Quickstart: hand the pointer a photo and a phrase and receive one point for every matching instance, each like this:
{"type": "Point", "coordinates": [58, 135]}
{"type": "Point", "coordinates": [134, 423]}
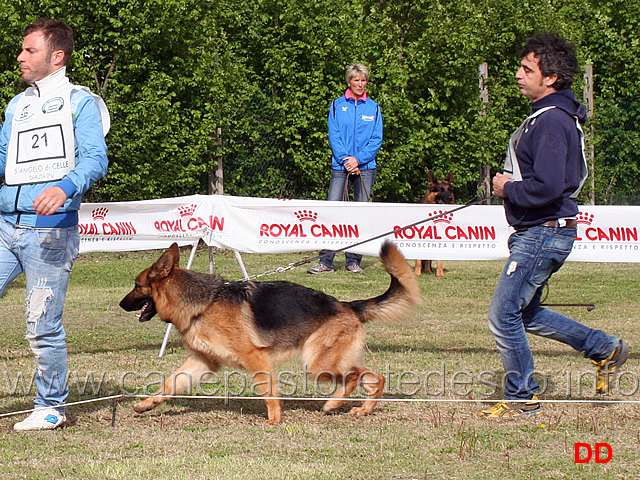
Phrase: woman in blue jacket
{"type": "Point", "coordinates": [355, 136]}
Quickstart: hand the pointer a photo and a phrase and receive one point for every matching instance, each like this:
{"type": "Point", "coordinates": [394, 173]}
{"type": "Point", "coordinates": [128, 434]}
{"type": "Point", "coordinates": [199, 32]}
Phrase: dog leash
{"type": "Point", "coordinates": [399, 229]}
{"type": "Point", "coordinates": [590, 306]}
{"type": "Point", "coordinates": [345, 192]}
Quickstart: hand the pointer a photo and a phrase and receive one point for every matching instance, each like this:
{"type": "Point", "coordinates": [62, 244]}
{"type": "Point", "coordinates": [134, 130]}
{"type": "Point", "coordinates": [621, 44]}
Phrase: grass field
{"type": "Point", "coordinates": [440, 364]}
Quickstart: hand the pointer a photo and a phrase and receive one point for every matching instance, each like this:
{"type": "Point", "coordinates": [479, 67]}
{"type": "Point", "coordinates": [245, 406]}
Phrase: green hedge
{"type": "Point", "coordinates": [173, 72]}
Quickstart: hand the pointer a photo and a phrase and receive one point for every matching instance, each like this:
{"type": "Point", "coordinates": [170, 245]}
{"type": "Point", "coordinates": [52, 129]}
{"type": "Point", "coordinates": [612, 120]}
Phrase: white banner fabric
{"type": "Point", "coordinates": [263, 225]}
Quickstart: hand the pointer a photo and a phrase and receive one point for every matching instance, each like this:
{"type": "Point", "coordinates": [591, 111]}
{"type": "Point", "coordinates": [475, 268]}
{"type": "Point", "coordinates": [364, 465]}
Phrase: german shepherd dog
{"type": "Point", "coordinates": [256, 325]}
{"type": "Point", "coordinates": [438, 191]}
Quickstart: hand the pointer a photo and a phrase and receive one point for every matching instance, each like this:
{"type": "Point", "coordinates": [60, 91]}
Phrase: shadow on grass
{"type": "Point", "coordinates": [172, 345]}
{"type": "Point", "coordinates": [433, 349]}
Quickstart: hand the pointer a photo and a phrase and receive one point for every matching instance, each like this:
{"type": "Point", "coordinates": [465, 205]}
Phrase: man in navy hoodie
{"type": "Point", "coordinates": [544, 171]}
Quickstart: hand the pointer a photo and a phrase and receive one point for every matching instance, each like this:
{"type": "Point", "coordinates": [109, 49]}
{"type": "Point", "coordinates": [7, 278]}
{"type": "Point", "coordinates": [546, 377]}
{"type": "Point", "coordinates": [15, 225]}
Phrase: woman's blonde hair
{"type": "Point", "coordinates": [356, 69]}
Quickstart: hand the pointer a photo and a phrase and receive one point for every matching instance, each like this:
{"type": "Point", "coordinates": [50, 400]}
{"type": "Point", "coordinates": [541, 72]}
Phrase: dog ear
{"type": "Point", "coordinates": [450, 177]}
{"type": "Point", "coordinates": [432, 177]}
{"type": "Point", "coordinates": [169, 260]}
{"type": "Point", "coordinates": [175, 251]}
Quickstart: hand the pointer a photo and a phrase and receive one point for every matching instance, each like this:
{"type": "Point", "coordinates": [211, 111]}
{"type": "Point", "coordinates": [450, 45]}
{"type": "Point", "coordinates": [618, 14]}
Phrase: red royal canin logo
{"type": "Point", "coordinates": [100, 227]}
{"type": "Point", "coordinates": [99, 213]}
{"type": "Point", "coordinates": [588, 230]}
{"type": "Point", "coordinates": [299, 229]}
{"type": "Point", "coordinates": [585, 218]}
{"type": "Point", "coordinates": [187, 210]}
{"type": "Point", "coordinates": [306, 215]}
{"type": "Point", "coordinates": [442, 216]}
{"type": "Point", "coordinates": [188, 222]}
{"type": "Point", "coordinates": [442, 228]}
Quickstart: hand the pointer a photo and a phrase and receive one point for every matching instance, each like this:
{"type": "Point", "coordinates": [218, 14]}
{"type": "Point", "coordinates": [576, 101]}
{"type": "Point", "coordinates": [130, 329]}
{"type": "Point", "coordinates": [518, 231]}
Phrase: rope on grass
{"type": "Point", "coordinates": [227, 398]}
{"type": "Point", "coordinates": [388, 400]}
{"type": "Point", "coordinates": [91, 400]}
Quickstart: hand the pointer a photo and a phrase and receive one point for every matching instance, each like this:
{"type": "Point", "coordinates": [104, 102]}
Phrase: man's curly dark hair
{"type": "Point", "coordinates": [557, 57]}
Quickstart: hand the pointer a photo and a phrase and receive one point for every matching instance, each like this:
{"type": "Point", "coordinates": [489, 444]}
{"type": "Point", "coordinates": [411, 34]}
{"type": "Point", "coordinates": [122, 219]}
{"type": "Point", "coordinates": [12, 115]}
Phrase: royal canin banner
{"type": "Point", "coordinates": [263, 225]}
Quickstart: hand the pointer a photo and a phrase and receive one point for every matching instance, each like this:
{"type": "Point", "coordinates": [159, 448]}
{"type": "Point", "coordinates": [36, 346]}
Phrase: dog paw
{"type": "Point", "coordinates": [332, 405]}
{"type": "Point", "coordinates": [360, 411]}
{"type": "Point", "coordinates": [142, 407]}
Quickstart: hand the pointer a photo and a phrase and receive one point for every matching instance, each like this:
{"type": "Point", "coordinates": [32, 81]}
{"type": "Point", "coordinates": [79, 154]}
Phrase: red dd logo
{"type": "Point", "coordinates": [590, 452]}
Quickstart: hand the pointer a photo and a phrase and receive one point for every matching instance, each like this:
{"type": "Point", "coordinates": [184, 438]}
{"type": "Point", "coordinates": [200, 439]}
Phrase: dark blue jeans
{"type": "Point", "coordinates": [534, 255]}
{"type": "Point", "coordinates": [340, 178]}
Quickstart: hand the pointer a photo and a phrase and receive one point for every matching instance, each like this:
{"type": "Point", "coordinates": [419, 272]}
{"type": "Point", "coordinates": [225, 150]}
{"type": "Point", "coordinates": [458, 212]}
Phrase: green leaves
{"type": "Point", "coordinates": [263, 74]}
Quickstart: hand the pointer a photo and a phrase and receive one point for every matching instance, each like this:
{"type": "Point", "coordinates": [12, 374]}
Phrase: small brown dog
{"type": "Point", "coordinates": [439, 191]}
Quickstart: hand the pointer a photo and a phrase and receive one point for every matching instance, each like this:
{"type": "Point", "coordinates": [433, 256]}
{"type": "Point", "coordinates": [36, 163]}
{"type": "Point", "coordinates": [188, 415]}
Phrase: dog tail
{"type": "Point", "coordinates": [402, 296]}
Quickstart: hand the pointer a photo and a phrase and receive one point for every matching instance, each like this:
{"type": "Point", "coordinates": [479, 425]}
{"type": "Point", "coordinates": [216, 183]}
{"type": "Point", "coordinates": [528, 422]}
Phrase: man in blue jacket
{"type": "Point", "coordinates": [545, 168]}
{"type": "Point", "coordinates": [52, 150]}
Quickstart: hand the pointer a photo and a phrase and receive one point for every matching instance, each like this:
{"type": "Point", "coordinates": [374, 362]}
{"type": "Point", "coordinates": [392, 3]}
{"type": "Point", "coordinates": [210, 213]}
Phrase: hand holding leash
{"type": "Point", "coordinates": [351, 164]}
{"type": "Point", "coordinates": [499, 181]}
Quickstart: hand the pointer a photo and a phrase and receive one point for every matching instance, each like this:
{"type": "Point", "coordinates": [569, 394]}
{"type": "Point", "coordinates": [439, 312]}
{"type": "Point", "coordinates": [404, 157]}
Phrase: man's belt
{"type": "Point", "coordinates": [559, 223]}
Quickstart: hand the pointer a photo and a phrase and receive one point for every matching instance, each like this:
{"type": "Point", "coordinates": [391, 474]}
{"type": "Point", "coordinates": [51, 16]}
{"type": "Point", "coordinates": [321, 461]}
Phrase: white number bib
{"type": "Point", "coordinates": [42, 145]}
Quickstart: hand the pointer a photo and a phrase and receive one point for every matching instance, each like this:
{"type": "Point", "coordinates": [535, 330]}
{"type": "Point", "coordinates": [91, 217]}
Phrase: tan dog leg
{"type": "Point", "coordinates": [372, 382]}
{"type": "Point", "coordinates": [267, 387]}
{"type": "Point", "coordinates": [422, 266]}
{"type": "Point", "coordinates": [183, 380]}
{"type": "Point", "coordinates": [427, 267]}
{"type": "Point", "coordinates": [265, 382]}
{"type": "Point", "coordinates": [349, 381]}
{"type": "Point", "coordinates": [439, 269]}
{"type": "Point", "coordinates": [418, 268]}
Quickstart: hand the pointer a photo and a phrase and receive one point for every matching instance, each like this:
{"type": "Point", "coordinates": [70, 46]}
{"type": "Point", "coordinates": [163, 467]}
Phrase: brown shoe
{"type": "Point", "coordinates": [354, 268]}
{"type": "Point", "coordinates": [320, 268]}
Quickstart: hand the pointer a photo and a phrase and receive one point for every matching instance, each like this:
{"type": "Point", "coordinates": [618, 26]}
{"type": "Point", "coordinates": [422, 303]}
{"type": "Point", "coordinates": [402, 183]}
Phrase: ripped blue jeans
{"type": "Point", "coordinates": [534, 255]}
{"type": "Point", "coordinates": [46, 257]}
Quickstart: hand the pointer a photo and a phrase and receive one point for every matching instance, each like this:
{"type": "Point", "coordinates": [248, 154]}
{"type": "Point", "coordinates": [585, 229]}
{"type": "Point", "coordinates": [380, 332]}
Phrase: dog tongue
{"type": "Point", "coordinates": [147, 312]}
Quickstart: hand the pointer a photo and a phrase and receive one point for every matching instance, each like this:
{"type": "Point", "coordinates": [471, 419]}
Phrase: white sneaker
{"type": "Point", "coordinates": [41, 419]}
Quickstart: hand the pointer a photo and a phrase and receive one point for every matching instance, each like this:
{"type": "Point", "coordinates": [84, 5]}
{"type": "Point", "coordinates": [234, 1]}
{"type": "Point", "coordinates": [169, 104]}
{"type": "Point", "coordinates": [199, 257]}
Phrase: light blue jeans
{"type": "Point", "coordinates": [336, 193]}
{"type": "Point", "coordinates": [46, 257]}
{"type": "Point", "coordinates": [534, 255]}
